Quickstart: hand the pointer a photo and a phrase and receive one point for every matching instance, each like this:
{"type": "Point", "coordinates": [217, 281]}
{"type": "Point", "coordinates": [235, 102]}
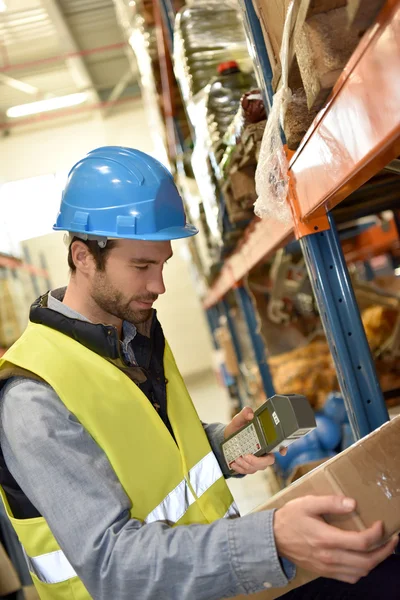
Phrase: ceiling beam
{"type": "Point", "coordinates": [119, 88]}
{"type": "Point", "coordinates": [68, 45]}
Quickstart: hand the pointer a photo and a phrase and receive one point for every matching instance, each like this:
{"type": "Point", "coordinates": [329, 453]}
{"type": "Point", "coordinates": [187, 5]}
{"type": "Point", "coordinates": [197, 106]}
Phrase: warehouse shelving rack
{"type": "Point", "coordinates": [36, 274]}
{"type": "Point", "coordinates": [355, 136]}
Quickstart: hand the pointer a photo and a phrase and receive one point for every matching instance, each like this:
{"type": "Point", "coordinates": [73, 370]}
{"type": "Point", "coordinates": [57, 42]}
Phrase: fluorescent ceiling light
{"type": "Point", "coordinates": [3, 6]}
{"type": "Point", "coordinates": [21, 86]}
{"type": "Point", "coordinates": [45, 105]}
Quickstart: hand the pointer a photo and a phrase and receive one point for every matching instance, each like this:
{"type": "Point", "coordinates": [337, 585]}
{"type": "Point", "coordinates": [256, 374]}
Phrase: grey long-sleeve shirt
{"type": "Point", "coordinates": [70, 481]}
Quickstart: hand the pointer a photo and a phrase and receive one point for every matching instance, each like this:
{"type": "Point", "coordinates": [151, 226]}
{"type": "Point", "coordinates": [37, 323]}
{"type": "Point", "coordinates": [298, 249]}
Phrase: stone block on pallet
{"type": "Point", "coordinates": [323, 47]}
{"type": "Point", "coordinates": [297, 119]}
{"type": "Point", "coordinates": [272, 14]}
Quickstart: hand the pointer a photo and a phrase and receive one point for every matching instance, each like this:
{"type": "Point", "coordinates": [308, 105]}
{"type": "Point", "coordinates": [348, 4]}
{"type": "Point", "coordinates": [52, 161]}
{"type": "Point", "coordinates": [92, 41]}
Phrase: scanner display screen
{"type": "Point", "coordinates": [268, 427]}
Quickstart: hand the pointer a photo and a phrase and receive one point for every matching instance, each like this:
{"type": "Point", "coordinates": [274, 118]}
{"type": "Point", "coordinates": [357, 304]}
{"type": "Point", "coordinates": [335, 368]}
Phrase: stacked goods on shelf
{"type": "Point", "coordinates": [225, 92]}
{"type": "Point", "coordinates": [10, 328]}
{"type": "Point", "coordinates": [206, 34]}
{"type": "Point", "coordinates": [16, 294]}
{"type": "Point", "coordinates": [246, 373]}
{"type": "Point", "coordinates": [324, 34]}
{"type": "Point", "coordinates": [237, 168]}
{"type": "Point", "coordinates": [224, 341]}
{"type": "Point", "coordinates": [20, 284]}
{"type": "Point", "coordinates": [300, 360]}
{"type": "Point", "coordinates": [155, 70]}
{"type": "Point", "coordinates": [212, 66]}
{"type": "Point", "coordinates": [310, 370]}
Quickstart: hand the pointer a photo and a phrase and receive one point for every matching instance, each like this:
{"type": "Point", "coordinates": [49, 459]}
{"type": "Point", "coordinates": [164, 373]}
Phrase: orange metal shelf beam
{"type": "Point", "coordinates": [352, 138]}
{"type": "Point", "coordinates": [261, 238]}
{"type": "Point", "coordinates": [373, 242]}
{"type": "Point", "coordinates": [358, 132]}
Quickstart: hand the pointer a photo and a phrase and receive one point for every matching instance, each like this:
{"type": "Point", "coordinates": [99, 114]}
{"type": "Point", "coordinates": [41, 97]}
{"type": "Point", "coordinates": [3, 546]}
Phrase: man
{"type": "Point", "coordinates": [113, 485]}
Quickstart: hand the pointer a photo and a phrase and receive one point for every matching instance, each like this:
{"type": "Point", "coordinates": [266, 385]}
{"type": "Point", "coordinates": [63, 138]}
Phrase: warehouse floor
{"type": "Point", "coordinates": [212, 403]}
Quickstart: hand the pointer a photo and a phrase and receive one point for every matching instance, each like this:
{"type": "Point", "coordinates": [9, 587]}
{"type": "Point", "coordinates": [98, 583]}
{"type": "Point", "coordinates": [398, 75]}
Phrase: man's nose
{"type": "Point", "coordinates": [156, 285]}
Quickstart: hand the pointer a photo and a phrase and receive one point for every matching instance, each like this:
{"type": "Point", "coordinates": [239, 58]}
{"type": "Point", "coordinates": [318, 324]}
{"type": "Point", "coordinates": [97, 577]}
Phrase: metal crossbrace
{"type": "Point", "coordinates": [344, 330]}
{"type": "Point", "coordinates": [246, 304]}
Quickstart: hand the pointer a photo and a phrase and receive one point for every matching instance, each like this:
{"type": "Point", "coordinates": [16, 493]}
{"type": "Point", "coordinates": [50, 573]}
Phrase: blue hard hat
{"type": "Point", "coordinates": [117, 192]}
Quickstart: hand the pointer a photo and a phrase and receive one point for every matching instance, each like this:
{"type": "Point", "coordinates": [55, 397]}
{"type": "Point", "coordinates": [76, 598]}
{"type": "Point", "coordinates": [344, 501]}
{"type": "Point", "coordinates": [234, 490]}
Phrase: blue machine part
{"type": "Point", "coordinates": [344, 330]}
{"type": "Point", "coordinates": [335, 408]}
{"type": "Point", "coordinates": [308, 443]}
{"type": "Point", "coordinates": [226, 376]}
{"type": "Point", "coordinates": [328, 431]}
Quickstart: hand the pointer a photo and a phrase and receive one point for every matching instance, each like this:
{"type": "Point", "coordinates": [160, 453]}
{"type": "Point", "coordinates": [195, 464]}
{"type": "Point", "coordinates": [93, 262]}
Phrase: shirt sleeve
{"type": "Point", "coordinates": [70, 481]}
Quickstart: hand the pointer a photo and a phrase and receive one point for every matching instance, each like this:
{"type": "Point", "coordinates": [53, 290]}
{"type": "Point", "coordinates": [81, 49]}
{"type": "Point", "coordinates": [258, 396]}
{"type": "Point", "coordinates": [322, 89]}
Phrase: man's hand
{"type": "Point", "coordinates": [248, 464]}
{"type": "Point", "coordinates": [302, 536]}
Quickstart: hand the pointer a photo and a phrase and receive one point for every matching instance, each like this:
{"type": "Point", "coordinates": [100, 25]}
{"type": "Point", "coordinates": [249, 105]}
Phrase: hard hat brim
{"type": "Point", "coordinates": [170, 233]}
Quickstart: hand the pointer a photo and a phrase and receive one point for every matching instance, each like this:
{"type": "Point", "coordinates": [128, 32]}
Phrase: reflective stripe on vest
{"type": "Point", "coordinates": [53, 567]}
{"type": "Point", "coordinates": [204, 474]}
{"type": "Point", "coordinates": [174, 506]}
{"type": "Point", "coordinates": [201, 477]}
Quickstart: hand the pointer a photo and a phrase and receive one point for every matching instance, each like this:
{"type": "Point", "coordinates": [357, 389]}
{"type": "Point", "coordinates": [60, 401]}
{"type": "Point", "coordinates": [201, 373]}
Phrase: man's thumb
{"type": "Point", "coordinates": [243, 418]}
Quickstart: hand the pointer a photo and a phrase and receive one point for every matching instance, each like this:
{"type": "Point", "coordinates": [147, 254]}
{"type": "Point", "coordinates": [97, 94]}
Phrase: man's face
{"type": "Point", "coordinates": [132, 279]}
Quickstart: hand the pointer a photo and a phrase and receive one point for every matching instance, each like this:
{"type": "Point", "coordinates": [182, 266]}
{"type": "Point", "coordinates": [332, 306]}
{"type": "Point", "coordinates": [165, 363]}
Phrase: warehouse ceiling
{"type": "Point", "coordinates": [56, 48]}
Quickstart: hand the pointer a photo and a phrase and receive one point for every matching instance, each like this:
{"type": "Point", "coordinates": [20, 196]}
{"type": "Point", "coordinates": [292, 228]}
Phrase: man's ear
{"type": "Point", "coordinates": [82, 257]}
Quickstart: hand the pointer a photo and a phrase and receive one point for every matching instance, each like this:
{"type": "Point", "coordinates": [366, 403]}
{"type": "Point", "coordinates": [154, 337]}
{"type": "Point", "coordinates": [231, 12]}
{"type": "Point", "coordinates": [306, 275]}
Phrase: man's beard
{"type": "Point", "coordinates": [112, 301]}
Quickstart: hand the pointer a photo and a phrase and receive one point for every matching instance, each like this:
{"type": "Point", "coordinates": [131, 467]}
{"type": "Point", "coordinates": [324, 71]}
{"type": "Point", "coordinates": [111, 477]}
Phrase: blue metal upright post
{"type": "Point", "coordinates": [212, 319]}
{"type": "Point", "coordinates": [258, 51]}
{"type": "Point", "coordinates": [213, 314]}
{"type": "Point", "coordinates": [345, 333]}
{"type": "Point", "coordinates": [247, 307]}
{"type": "Point", "coordinates": [232, 331]}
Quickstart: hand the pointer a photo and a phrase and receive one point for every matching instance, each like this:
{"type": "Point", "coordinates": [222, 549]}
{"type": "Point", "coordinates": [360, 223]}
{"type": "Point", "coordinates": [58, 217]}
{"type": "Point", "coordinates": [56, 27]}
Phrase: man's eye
{"type": "Point", "coordinates": [142, 268]}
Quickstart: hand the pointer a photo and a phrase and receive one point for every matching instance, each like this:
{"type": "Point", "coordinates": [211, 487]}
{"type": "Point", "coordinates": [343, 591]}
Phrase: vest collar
{"type": "Point", "coordinates": [102, 339]}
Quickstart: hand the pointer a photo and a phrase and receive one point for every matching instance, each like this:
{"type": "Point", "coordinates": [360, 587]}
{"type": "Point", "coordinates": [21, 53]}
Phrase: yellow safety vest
{"type": "Point", "coordinates": [179, 483]}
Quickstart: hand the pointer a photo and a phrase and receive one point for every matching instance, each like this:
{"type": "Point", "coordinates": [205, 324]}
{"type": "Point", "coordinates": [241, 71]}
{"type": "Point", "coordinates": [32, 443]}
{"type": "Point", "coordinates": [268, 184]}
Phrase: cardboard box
{"type": "Point", "coordinates": [30, 593]}
{"type": "Point", "coordinates": [9, 581]}
{"type": "Point", "coordinates": [302, 470]}
{"type": "Point", "coordinates": [369, 472]}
